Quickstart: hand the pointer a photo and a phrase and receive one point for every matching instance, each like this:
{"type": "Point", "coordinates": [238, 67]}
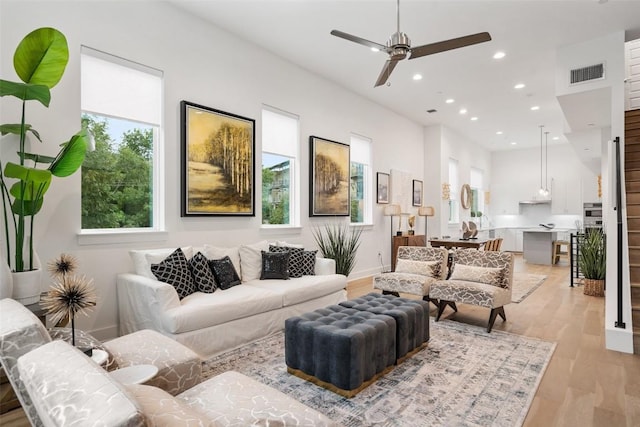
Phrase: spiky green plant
{"type": "Point", "coordinates": [340, 243]}
{"type": "Point", "coordinates": [593, 255]}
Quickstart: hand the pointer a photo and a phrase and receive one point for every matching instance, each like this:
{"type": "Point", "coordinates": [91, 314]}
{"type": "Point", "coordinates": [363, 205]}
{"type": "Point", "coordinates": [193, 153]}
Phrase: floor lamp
{"type": "Point", "coordinates": [392, 210]}
{"type": "Point", "coordinates": [426, 212]}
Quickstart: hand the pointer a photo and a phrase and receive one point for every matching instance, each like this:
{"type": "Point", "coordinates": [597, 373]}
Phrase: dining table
{"type": "Point", "coordinates": [451, 243]}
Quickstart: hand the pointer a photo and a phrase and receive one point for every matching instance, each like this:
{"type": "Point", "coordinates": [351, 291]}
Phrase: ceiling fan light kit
{"type": "Point", "coordinates": [399, 46]}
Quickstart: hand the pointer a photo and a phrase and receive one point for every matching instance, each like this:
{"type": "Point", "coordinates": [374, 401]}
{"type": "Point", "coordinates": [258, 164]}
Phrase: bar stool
{"type": "Point", "coordinates": [558, 252]}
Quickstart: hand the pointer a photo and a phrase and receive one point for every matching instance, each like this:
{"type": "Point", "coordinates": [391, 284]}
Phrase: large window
{"type": "Point", "coordinates": [454, 210]}
{"type": "Point", "coordinates": [361, 206]}
{"type": "Point", "coordinates": [280, 142]}
{"type": "Point", "coordinates": [121, 105]}
{"type": "Point", "coordinates": [477, 192]}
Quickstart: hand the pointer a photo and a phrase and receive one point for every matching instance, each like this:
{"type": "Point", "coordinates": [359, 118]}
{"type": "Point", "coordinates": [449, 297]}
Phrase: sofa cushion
{"type": "Point", "coordinates": [199, 311]}
{"type": "Point", "coordinates": [143, 258]}
{"type": "Point", "coordinates": [202, 274]}
{"type": "Point", "coordinates": [302, 289]}
{"type": "Point", "coordinates": [162, 409]}
{"type": "Point", "coordinates": [224, 272]}
{"type": "Point", "coordinates": [470, 293]}
{"type": "Point", "coordinates": [251, 260]}
{"type": "Point", "coordinates": [275, 265]}
{"type": "Point", "coordinates": [174, 270]}
{"type": "Point", "coordinates": [68, 388]}
{"type": "Point", "coordinates": [217, 252]}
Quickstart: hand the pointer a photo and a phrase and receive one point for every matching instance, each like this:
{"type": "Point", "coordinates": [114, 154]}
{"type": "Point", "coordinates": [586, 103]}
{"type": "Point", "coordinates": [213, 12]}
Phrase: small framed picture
{"type": "Point", "coordinates": [382, 192]}
{"type": "Point", "coordinates": [417, 193]}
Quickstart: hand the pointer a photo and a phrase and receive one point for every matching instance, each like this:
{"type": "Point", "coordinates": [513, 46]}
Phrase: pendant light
{"type": "Point", "coordinates": [546, 164]}
{"type": "Point", "coordinates": [541, 190]}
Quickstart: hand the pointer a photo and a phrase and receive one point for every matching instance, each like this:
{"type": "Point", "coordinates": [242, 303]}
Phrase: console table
{"type": "Point", "coordinates": [404, 240]}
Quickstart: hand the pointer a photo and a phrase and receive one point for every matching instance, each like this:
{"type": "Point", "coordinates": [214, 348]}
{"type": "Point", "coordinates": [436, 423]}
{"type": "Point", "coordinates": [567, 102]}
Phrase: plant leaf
{"type": "Point", "coordinates": [38, 158]}
{"type": "Point", "coordinates": [26, 91]}
{"type": "Point", "coordinates": [71, 156]}
{"type": "Point", "coordinates": [14, 128]}
{"type": "Point", "coordinates": [33, 182]}
{"type": "Point", "coordinates": [27, 208]}
{"type": "Point", "coordinates": [41, 57]}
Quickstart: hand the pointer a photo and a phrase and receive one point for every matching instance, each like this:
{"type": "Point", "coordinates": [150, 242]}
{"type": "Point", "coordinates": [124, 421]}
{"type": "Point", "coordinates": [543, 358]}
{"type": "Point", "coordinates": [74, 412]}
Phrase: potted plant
{"type": "Point", "coordinates": [340, 244]}
{"type": "Point", "coordinates": [592, 261]}
{"type": "Point", "coordinates": [39, 61]}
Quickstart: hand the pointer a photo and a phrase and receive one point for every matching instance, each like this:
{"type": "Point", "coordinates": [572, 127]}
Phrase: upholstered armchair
{"type": "Point", "coordinates": [483, 278]}
{"type": "Point", "coordinates": [417, 267]}
{"type": "Point", "coordinates": [179, 368]}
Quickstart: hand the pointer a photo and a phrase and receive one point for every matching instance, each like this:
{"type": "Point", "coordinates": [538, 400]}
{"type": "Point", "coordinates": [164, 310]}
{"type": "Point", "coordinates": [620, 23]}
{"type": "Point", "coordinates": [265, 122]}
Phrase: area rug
{"type": "Point", "coordinates": [524, 284]}
{"type": "Point", "coordinates": [464, 377]}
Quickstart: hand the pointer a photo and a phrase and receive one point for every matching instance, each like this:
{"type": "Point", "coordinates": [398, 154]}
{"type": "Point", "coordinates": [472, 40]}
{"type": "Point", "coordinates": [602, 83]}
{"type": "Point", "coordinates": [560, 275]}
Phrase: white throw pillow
{"type": "Point", "coordinates": [218, 252]}
{"type": "Point", "coordinates": [424, 268]}
{"type": "Point", "coordinates": [488, 275]}
{"type": "Point", "coordinates": [143, 258]}
{"type": "Point", "coordinates": [289, 245]}
{"type": "Point", "coordinates": [251, 260]}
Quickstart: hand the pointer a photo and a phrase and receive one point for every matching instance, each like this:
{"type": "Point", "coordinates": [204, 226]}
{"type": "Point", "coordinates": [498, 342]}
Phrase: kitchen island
{"type": "Point", "coordinates": [537, 244]}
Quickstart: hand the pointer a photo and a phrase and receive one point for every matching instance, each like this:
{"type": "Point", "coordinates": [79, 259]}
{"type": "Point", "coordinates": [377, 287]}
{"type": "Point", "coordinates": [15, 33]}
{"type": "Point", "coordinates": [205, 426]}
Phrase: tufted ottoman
{"type": "Point", "coordinates": [411, 316]}
{"type": "Point", "coordinates": [340, 348]}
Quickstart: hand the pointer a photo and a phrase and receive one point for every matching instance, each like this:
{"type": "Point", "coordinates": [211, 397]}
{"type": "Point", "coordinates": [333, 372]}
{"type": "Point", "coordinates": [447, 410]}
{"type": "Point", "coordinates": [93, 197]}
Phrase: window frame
{"type": "Point", "coordinates": [157, 231]}
{"type": "Point", "coordinates": [294, 170]}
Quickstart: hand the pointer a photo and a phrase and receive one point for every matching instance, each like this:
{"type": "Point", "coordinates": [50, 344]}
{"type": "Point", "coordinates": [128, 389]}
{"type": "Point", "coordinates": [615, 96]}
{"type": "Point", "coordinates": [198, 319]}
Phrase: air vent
{"type": "Point", "coordinates": [431, 111]}
{"type": "Point", "coordinates": [592, 72]}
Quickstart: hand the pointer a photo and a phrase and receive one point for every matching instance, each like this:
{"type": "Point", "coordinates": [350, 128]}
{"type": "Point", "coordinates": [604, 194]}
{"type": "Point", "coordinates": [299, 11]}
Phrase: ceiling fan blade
{"type": "Point", "coordinates": [386, 72]}
{"type": "Point", "coordinates": [358, 40]}
{"type": "Point", "coordinates": [443, 46]}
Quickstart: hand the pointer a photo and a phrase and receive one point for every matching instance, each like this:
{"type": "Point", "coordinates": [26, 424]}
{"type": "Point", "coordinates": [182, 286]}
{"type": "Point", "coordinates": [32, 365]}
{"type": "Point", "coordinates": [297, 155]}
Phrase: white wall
{"type": "Point", "coordinates": [468, 154]}
{"type": "Point", "coordinates": [515, 176]}
{"type": "Point", "coordinates": [205, 65]}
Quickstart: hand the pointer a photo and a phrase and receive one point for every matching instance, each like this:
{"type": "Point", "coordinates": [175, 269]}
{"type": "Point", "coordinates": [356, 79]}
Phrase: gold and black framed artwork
{"type": "Point", "coordinates": [329, 180]}
{"type": "Point", "coordinates": [217, 162]}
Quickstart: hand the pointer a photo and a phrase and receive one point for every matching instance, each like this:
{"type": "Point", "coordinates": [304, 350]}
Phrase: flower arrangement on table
{"type": "Point", "coordinates": [70, 294]}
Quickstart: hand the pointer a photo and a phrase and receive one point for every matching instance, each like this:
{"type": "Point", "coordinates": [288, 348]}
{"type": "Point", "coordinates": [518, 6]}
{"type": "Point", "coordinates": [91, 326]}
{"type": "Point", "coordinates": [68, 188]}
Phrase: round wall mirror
{"type": "Point", "coordinates": [465, 196]}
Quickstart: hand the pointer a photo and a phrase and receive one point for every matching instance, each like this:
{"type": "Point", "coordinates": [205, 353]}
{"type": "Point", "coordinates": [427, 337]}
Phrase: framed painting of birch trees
{"type": "Point", "coordinates": [329, 181]}
{"type": "Point", "coordinates": [217, 162]}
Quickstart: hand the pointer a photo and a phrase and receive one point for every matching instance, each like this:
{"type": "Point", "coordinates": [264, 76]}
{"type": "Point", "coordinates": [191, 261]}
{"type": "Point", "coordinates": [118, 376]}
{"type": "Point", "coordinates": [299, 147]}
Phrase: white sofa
{"type": "Point", "coordinates": [210, 323]}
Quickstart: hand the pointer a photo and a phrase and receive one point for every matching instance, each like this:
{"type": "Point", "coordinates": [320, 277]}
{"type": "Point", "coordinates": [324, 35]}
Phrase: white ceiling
{"type": "Point", "coordinates": [529, 32]}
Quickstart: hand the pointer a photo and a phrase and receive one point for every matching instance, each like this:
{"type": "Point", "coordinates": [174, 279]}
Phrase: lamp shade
{"type": "Point", "coordinates": [426, 211]}
{"type": "Point", "coordinates": [392, 210]}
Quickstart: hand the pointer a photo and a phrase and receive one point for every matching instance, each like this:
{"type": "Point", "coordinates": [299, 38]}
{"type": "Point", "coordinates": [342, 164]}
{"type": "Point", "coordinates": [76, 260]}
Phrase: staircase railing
{"type": "Point", "coordinates": [618, 208]}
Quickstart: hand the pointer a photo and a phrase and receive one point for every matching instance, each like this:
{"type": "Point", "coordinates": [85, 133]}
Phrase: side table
{"type": "Point", "coordinates": [134, 374]}
{"type": "Point", "coordinates": [405, 240]}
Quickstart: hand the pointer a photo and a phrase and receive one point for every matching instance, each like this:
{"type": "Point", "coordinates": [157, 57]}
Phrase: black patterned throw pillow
{"type": "Point", "coordinates": [307, 263]}
{"type": "Point", "coordinates": [224, 272]}
{"type": "Point", "coordinates": [202, 274]}
{"type": "Point", "coordinates": [275, 265]}
{"type": "Point", "coordinates": [174, 270]}
{"type": "Point", "coordinates": [295, 259]}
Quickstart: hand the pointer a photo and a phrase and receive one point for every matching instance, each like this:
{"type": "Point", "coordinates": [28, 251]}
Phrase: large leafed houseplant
{"type": "Point", "coordinates": [39, 61]}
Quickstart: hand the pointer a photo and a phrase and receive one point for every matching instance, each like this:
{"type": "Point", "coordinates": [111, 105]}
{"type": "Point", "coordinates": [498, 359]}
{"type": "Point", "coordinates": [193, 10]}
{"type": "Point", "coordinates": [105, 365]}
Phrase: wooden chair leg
{"type": "Point", "coordinates": [434, 301]}
{"type": "Point", "coordinates": [395, 294]}
{"type": "Point", "coordinates": [492, 317]}
{"type": "Point", "coordinates": [452, 304]}
{"type": "Point", "coordinates": [442, 304]}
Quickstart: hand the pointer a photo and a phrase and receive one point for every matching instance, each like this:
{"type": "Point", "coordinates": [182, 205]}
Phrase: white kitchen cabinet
{"type": "Point", "coordinates": [518, 239]}
{"type": "Point", "coordinates": [511, 239]}
{"type": "Point", "coordinates": [566, 196]}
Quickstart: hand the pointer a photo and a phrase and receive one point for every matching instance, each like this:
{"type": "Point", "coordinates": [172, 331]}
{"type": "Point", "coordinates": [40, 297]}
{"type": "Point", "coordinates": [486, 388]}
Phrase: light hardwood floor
{"type": "Point", "coordinates": [584, 384]}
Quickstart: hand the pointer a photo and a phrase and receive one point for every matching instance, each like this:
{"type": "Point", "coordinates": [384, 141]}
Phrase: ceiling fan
{"type": "Point", "coordinates": [398, 46]}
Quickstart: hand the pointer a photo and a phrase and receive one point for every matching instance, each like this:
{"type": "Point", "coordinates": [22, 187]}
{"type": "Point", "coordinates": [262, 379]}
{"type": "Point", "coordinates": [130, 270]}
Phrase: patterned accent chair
{"type": "Point", "coordinates": [417, 268]}
{"type": "Point", "coordinates": [69, 389]}
{"type": "Point", "coordinates": [483, 278]}
{"type": "Point", "coordinates": [179, 368]}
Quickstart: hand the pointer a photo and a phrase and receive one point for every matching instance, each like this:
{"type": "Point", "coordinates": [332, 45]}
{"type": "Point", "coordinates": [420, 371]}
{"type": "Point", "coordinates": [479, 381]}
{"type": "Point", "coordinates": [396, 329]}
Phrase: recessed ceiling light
{"type": "Point", "coordinates": [450, 101]}
{"type": "Point", "coordinates": [473, 119]}
{"type": "Point", "coordinates": [375, 49]}
{"type": "Point", "coordinates": [514, 143]}
{"type": "Point", "coordinates": [463, 111]}
{"type": "Point", "coordinates": [417, 77]}
{"type": "Point", "coordinates": [499, 132]}
{"type": "Point", "coordinates": [498, 55]}
{"type": "Point", "coordinates": [555, 138]}
{"type": "Point", "coordinates": [519, 86]}
{"type": "Point", "coordinates": [535, 108]}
